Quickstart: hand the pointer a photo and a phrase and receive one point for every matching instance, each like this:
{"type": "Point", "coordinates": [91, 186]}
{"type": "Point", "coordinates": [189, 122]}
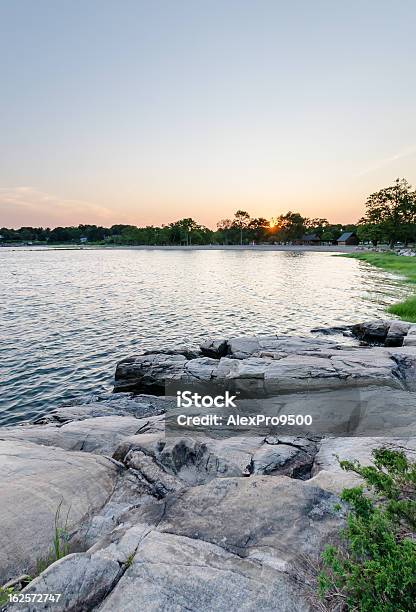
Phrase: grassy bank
{"type": "Point", "coordinates": [406, 267]}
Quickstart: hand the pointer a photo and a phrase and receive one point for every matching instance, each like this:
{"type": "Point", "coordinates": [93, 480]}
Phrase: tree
{"type": "Point", "coordinates": [224, 230]}
{"type": "Point", "coordinates": [393, 210]}
{"type": "Point", "coordinates": [289, 226]}
{"type": "Point", "coordinates": [241, 221]}
{"type": "Point", "coordinates": [317, 226]}
{"type": "Point", "coordinates": [258, 228]}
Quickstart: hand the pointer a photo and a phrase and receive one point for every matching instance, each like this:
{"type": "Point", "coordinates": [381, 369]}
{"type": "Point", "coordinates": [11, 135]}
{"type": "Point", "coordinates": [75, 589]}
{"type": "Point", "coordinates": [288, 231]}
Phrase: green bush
{"type": "Point", "coordinates": [374, 567]}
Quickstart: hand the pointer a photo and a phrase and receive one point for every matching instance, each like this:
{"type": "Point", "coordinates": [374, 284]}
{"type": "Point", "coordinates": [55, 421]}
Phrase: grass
{"type": "Point", "coordinates": [58, 549]}
{"type": "Point", "coordinates": [60, 546]}
{"type": "Point", "coordinates": [397, 264]}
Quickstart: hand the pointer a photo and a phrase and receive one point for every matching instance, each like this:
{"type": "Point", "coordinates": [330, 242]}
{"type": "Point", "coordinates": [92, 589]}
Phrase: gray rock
{"type": "Point", "coordinates": [120, 404]}
{"type": "Point", "coordinates": [372, 331]}
{"type": "Point", "coordinates": [189, 461]}
{"type": "Point", "coordinates": [410, 339]}
{"type": "Point", "coordinates": [95, 435]}
{"type": "Point", "coordinates": [235, 543]}
{"type": "Point", "coordinates": [83, 581]}
{"type": "Point", "coordinates": [148, 372]}
{"type": "Point", "coordinates": [34, 481]}
{"type": "Point", "coordinates": [174, 573]}
{"type": "Point", "coordinates": [264, 366]}
{"type": "Point", "coordinates": [274, 519]}
{"type": "Point", "coordinates": [396, 333]}
{"type": "Point", "coordinates": [326, 470]}
{"type": "Point", "coordinates": [215, 348]}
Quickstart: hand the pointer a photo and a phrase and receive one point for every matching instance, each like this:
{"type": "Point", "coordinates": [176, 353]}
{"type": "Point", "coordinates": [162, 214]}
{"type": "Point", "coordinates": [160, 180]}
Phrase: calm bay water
{"type": "Point", "coordinates": [68, 316]}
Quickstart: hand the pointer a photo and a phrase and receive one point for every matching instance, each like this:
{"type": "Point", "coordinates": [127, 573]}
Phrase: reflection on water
{"type": "Point", "coordinates": [68, 316]}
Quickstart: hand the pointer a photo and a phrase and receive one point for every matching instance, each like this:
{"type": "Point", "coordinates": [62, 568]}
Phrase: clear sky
{"type": "Point", "coordinates": [144, 112]}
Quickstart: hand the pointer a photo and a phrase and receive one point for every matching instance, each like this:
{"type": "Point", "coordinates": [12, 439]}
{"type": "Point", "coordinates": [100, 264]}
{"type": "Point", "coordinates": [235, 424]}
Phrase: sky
{"type": "Point", "coordinates": [124, 111]}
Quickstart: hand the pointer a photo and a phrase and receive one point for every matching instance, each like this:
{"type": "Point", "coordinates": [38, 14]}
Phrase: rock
{"type": "Point", "coordinates": [396, 333]}
{"type": "Point", "coordinates": [148, 372]}
{"type": "Point", "coordinates": [215, 348]}
{"type": "Point", "coordinates": [95, 435]}
{"type": "Point", "coordinates": [372, 331]}
{"type": "Point", "coordinates": [187, 351]}
{"type": "Point", "coordinates": [326, 470]}
{"type": "Point", "coordinates": [83, 581]}
{"type": "Point", "coordinates": [231, 544]}
{"type": "Point", "coordinates": [410, 339]}
{"type": "Point", "coordinates": [122, 404]}
{"type": "Point", "coordinates": [344, 330]}
{"type": "Point", "coordinates": [170, 572]}
{"type": "Point", "coordinates": [255, 368]}
{"type": "Point", "coordinates": [190, 461]}
{"type": "Point", "coordinates": [290, 456]}
{"type": "Point", "coordinates": [34, 481]}
{"type": "Point", "coordinates": [257, 346]}
{"type": "Point", "coordinates": [273, 519]}
{"type": "Point", "coordinates": [406, 365]}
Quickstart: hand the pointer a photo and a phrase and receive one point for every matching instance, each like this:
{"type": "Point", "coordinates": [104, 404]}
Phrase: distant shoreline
{"type": "Point", "coordinates": [197, 247]}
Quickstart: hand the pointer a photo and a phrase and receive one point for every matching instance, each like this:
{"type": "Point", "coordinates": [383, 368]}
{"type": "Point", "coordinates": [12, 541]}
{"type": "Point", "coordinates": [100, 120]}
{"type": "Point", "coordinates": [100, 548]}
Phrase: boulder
{"type": "Point", "coordinates": [372, 331]}
{"type": "Point", "coordinates": [215, 348]}
{"type": "Point", "coordinates": [396, 333]}
{"type": "Point", "coordinates": [410, 339]}
{"type": "Point", "coordinates": [148, 372]}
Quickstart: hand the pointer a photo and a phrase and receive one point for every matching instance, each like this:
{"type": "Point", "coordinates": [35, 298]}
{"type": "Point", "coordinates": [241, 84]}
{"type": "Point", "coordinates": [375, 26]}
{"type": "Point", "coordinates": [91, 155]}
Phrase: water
{"type": "Point", "coordinates": [68, 316]}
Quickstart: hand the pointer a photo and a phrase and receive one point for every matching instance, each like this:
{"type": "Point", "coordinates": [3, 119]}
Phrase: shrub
{"type": "Point", "coordinates": [374, 567]}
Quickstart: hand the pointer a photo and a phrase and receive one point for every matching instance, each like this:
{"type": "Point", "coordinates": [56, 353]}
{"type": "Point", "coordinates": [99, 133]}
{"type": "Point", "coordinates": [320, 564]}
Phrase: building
{"type": "Point", "coordinates": [348, 239]}
{"type": "Point", "coordinates": [83, 239]}
{"type": "Point", "coordinates": [312, 239]}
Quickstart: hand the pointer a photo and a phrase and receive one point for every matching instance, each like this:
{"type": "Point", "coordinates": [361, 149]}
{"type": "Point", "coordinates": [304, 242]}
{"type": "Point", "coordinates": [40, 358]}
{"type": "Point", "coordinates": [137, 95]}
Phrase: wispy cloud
{"type": "Point", "coordinates": [382, 163]}
{"type": "Point", "coordinates": [30, 206]}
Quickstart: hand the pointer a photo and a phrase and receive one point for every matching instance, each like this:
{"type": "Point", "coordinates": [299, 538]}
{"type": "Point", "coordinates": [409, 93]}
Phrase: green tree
{"type": "Point", "coordinates": [258, 229]}
{"type": "Point", "coordinates": [393, 210]}
{"type": "Point", "coordinates": [290, 226]}
{"type": "Point", "coordinates": [241, 221]}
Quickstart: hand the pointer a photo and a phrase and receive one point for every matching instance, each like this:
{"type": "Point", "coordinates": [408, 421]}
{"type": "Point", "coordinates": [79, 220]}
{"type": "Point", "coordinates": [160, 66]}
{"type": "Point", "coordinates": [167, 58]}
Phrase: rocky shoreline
{"type": "Point", "coordinates": [197, 521]}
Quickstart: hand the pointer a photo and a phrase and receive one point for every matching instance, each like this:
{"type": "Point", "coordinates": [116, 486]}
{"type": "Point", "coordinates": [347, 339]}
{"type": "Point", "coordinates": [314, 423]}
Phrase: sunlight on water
{"type": "Point", "coordinates": [68, 316]}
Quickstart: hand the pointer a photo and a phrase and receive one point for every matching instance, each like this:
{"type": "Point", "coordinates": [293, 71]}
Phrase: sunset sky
{"type": "Point", "coordinates": [123, 111]}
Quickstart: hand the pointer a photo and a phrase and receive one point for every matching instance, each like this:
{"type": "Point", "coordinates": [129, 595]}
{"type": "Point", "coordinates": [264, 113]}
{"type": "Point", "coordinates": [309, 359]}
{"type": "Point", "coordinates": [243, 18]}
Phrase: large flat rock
{"type": "Point", "coordinates": [34, 481]}
{"type": "Point", "coordinates": [96, 435]}
{"type": "Point", "coordinates": [232, 544]}
{"type": "Point", "coordinates": [267, 365]}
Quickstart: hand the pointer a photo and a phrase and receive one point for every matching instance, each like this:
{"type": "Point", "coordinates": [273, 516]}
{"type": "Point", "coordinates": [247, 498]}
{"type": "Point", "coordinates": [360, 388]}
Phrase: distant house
{"type": "Point", "coordinates": [348, 239]}
{"type": "Point", "coordinates": [83, 239]}
{"type": "Point", "coordinates": [312, 239]}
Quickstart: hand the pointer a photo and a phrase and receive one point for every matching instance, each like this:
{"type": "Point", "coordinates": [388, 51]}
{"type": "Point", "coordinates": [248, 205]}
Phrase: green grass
{"type": "Point", "coordinates": [397, 264]}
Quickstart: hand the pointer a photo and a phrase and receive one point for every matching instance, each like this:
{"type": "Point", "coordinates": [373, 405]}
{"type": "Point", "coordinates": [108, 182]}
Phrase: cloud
{"type": "Point", "coordinates": [388, 160]}
{"type": "Point", "coordinates": [32, 207]}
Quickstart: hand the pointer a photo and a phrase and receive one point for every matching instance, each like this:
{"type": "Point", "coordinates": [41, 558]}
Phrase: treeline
{"type": "Point", "coordinates": [390, 217]}
{"type": "Point", "coordinates": [242, 229]}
